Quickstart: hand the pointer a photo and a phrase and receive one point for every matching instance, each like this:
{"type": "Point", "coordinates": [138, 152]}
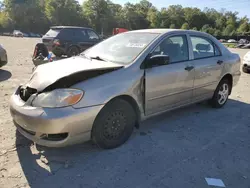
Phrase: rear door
{"type": "Point", "coordinates": [208, 67]}
{"type": "Point", "coordinates": [171, 85]}
{"type": "Point", "coordinates": [87, 38]}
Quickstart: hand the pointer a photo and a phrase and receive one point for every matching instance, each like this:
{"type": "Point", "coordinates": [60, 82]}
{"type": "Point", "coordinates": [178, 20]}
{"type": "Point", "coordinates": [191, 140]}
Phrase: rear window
{"type": "Point", "coordinates": [52, 32]}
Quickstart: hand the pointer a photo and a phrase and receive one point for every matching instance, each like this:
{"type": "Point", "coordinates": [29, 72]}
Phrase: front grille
{"type": "Point", "coordinates": [26, 92]}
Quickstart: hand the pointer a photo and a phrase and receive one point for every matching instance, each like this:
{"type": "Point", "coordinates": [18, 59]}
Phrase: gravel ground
{"type": "Point", "coordinates": [175, 150]}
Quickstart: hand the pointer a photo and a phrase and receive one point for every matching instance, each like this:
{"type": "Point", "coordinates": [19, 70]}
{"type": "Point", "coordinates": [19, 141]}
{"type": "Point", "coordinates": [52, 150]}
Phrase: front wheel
{"type": "Point", "coordinates": [221, 94]}
{"type": "Point", "coordinates": [114, 124]}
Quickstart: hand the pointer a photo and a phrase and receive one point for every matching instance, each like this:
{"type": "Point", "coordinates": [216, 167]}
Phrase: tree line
{"type": "Point", "coordinates": [104, 15]}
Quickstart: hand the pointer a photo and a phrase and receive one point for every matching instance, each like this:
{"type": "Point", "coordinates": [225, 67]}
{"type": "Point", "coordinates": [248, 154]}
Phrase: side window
{"type": "Point", "coordinates": [175, 47]}
{"type": "Point", "coordinates": [203, 48]}
{"type": "Point", "coordinates": [66, 34]}
{"type": "Point", "coordinates": [80, 34]}
{"type": "Point", "coordinates": [92, 35]}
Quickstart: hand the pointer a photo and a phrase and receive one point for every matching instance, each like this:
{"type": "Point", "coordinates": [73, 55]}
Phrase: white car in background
{"type": "Point", "coordinates": [246, 63]}
{"type": "Point", "coordinates": [232, 41]}
{"type": "Point", "coordinates": [17, 33]}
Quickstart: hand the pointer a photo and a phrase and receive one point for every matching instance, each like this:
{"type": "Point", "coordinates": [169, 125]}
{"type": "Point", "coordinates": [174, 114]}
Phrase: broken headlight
{"type": "Point", "coordinates": [58, 98]}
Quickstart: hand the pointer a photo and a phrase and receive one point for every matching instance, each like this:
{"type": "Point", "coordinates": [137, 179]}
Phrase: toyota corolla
{"type": "Point", "coordinates": [105, 92]}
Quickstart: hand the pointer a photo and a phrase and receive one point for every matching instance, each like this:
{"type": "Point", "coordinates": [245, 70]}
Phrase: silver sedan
{"type": "Point", "coordinates": [3, 56]}
{"type": "Point", "coordinates": [110, 88]}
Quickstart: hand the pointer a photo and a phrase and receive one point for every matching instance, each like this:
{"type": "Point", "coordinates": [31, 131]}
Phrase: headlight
{"type": "Point", "coordinates": [58, 98]}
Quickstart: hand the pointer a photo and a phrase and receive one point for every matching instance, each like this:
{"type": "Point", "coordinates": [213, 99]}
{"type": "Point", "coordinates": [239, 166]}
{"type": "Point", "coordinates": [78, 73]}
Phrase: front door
{"type": "Point", "coordinates": [208, 67]}
{"type": "Point", "coordinates": [171, 85]}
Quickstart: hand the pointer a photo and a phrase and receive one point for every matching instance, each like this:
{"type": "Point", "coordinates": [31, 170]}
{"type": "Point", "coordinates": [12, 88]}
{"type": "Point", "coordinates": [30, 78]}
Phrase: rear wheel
{"type": "Point", "coordinates": [73, 51]}
{"type": "Point", "coordinates": [221, 94]}
{"type": "Point", "coordinates": [244, 69]}
{"type": "Point", "coordinates": [114, 124]}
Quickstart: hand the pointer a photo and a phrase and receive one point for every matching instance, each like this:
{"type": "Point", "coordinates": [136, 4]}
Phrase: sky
{"type": "Point", "coordinates": [241, 6]}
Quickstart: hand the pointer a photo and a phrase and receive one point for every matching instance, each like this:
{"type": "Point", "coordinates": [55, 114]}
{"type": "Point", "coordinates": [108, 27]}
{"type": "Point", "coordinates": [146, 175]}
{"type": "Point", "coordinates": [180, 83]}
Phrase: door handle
{"type": "Point", "coordinates": [189, 68]}
{"type": "Point", "coordinates": [219, 62]}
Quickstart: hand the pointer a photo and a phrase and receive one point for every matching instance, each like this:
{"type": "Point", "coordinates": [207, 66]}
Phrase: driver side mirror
{"type": "Point", "coordinates": [157, 60]}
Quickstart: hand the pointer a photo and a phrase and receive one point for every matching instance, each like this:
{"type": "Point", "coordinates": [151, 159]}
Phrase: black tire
{"type": "Point", "coordinates": [244, 70]}
{"type": "Point", "coordinates": [114, 124]}
{"type": "Point", "coordinates": [73, 51]}
{"type": "Point", "coordinates": [215, 101]}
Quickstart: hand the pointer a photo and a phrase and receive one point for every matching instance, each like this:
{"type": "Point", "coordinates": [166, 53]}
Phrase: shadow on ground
{"type": "Point", "coordinates": [159, 146]}
{"type": "Point", "coordinates": [4, 75]}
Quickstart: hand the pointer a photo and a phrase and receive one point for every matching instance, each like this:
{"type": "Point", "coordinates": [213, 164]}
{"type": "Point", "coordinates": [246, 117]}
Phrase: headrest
{"type": "Point", "coordinates": [203, 47]}
{"type": "Point", "coordinates": [173, 49]}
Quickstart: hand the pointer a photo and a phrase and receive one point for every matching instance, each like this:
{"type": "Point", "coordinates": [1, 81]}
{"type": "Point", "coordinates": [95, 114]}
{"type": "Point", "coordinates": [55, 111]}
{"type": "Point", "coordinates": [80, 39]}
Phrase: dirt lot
{"type": "Point", "coordinates": [175, 150]}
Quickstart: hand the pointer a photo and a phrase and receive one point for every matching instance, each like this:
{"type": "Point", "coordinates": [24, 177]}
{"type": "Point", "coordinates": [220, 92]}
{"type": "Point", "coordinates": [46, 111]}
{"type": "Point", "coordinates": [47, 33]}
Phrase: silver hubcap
{"type": "Point", "coordinates": [223, 94]}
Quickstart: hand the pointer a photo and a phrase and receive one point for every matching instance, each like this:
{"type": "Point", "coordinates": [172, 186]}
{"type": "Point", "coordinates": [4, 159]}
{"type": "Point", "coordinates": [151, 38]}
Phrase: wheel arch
{"type": "Point", "coordinates": [133, 103]}
{"type": "Point", "coordinates": [228, 77]}
{"type": "Point", "coordinates": [73, 45]}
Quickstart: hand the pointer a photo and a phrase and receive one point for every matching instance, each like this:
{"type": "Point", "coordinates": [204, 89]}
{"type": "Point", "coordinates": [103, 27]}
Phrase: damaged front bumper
{"type": "Point", "coordinates": [53, 127]}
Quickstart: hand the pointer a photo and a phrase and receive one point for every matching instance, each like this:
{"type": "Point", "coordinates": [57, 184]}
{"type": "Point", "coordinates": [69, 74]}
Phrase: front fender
{"type": "Point", "coordinates": [103, 88]}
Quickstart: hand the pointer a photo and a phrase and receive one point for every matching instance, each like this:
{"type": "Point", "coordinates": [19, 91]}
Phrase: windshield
{"type": "Point", "coordinates": [52, 32]}
{"type": "Point", "coordinates": [122, 48]}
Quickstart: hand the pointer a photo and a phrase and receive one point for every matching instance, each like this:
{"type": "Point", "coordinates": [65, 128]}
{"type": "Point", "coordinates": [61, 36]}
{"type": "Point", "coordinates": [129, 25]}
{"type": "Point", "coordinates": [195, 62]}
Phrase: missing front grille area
{"type": "Point", "coordinates": [26, 92]}
{"type": "Point", "coordinates": [55, 137]}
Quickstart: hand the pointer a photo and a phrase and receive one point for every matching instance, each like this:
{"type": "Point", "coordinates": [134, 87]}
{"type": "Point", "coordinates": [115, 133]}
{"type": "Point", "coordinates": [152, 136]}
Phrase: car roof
{"type": "Point", "coordinates": [163, 31]}
{"type": "Point", "coordinates": [69, 27]}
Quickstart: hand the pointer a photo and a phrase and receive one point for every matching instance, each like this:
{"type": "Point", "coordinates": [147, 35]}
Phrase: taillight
{"type": "Point", "coordinates": [56, 42]}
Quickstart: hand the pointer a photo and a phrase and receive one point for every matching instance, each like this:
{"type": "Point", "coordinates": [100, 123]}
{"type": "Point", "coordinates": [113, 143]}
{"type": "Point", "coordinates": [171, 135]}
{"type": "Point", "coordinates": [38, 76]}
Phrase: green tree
{"type": "Point", "coordinates": [26, 15]}
{"type": "Point", "coordinates": [153, 17]}
{"type": "Point", "coordinates": [243, 28]}
{"type": "Point", "coordinates": [104, 15]}
{"type": "Point", "coordinates": [63, 12]}
{"type": "Point", "coordinates": [205, 28]}
{"type": "Point", "coordinates": [185, 26]}
{"type": "Point", "coordinates": [135, 18]}
{"type": "Point", "coordinates": [228, 30]}
{"type": "Point", "coordinates": [172, 26]}
{"type": "Point", "coordinates": [194, 17]}
{"type": "Point", "coordinates": [217, 33]}
{"type": "Point", "coordinates": [176, 15]}
{"type": "Point", "coordinates": [164, 18]}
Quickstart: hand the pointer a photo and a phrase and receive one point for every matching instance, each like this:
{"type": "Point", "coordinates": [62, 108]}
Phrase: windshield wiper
{"type": "Point", "coordinates": [95, 57]}
{"type": "Point", "coordinates": [98, 58]}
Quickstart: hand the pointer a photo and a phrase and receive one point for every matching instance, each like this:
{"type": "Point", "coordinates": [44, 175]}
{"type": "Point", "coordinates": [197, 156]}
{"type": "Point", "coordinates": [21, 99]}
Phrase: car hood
{"type": "Point", "coordinates": [49, 73]}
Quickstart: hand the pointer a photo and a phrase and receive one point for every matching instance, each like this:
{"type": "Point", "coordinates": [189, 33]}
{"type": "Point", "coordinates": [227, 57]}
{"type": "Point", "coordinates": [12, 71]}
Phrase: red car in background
{"type": "Point", "coordinates": [119, 30]}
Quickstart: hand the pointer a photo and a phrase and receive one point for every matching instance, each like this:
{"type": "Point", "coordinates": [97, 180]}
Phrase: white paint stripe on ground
{"type": "Point", "coordinates": [215, 182]}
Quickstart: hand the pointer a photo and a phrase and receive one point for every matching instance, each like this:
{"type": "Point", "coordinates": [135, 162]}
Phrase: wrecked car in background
{"type": "Point", "coordinates": [69, 40]}
{"type": "Point", "coordinates": [3, 56]}
{"type": "Point", "coordinates": [111, 87]}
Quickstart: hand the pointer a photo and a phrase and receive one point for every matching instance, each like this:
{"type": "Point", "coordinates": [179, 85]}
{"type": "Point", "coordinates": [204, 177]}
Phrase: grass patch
{"type": "Point", "coordinates": [230, 45]}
